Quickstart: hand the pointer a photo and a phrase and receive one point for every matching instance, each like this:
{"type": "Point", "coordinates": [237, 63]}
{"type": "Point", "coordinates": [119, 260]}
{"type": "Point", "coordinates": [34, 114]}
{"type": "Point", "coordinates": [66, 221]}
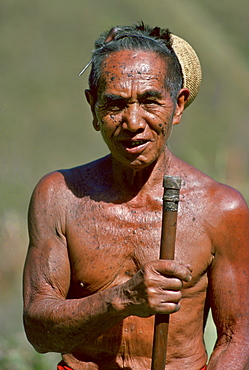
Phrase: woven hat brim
{"type": "Point", "coordinates": [190, 65]}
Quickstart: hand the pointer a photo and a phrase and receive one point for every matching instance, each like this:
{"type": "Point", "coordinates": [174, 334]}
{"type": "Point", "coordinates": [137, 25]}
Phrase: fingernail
{"type": "Point", "coordinates": [189, 277]}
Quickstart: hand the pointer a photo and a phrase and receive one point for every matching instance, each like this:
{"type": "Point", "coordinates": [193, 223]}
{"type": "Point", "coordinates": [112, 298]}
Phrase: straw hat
{"type": "Point", "coordinates": [190, 65]}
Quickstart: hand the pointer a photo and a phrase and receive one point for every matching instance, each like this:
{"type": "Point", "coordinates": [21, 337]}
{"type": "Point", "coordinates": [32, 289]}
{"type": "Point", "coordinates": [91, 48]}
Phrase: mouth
{"type": "Point", "coordinates": [129, 144]}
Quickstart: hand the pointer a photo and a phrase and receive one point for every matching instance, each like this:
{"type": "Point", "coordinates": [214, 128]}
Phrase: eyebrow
{"type": "Point", "coordinates": [147, 94]}
{"type": "Point", "coordinates": [151, 94]}
{"type": "Point", "coordinates": [113, 97]}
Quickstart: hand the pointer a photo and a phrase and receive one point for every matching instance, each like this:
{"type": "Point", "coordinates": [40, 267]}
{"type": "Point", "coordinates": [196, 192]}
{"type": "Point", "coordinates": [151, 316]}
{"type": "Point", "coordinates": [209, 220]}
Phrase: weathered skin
{"type": "Point", "coordinates": [93, 280]}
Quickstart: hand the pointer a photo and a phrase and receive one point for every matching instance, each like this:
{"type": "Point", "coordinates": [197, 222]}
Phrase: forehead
{"type": "Point", "coordinates": [133, 65]}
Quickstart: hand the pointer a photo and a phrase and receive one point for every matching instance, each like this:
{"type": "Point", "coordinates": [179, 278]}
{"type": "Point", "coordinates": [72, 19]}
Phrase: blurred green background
{"type": "Point", "coordinates": [46, 123]}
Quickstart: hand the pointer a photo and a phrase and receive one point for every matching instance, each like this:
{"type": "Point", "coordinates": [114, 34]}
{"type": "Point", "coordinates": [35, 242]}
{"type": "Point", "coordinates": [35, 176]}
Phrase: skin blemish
{"type": "Point", "coordinates": [129, 273]}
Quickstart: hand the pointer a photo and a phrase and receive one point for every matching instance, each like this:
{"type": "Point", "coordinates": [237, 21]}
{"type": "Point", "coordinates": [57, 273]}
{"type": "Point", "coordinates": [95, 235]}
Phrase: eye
{"type": "Point", "coordinates": [150, 102]}
{"type": "Point", "coordinates": [115, 105]}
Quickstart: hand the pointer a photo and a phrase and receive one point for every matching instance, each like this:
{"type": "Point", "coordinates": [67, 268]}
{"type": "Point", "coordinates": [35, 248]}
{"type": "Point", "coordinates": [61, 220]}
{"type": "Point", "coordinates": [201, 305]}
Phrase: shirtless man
{"type": "Point", "coordinates": [93, 281]}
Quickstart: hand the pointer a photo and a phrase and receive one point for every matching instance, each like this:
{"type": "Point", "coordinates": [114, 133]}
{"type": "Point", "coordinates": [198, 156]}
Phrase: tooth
{"type": "Point", "coordinates": [138, 142]}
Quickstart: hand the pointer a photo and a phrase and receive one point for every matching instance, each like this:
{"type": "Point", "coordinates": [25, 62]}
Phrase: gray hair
{"type": "Point", "coordinates": [137, 37]}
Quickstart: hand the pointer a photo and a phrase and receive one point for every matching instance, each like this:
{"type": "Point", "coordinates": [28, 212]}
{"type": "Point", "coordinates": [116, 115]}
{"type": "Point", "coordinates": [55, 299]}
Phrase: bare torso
{"type": "Point", "coordinates": [92, 278]}
{"type": "Point", "coordinates": [108, 242]}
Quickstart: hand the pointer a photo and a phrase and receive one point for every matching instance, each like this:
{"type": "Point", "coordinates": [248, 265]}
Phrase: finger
{"type": "Point", "coordinates": [171, 283]}
{"type": "Point", "coordinates": [169, 308]}
{"type": "Point", "coordinates": [171, 268]}
{"type": "Point", "coordinates": [156, 297]}
{"type": "Point", "coordinates": [166, 308]}
{"type": "Point", "coordinates": [188, 266]}
{"type": "Point", "coordinates": [163, 282]}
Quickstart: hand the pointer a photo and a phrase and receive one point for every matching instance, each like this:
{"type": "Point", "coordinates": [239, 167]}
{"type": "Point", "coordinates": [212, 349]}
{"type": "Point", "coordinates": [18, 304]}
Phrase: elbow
{"type": "Point", "coordinates": [39, 349]}
{"type": "Point", "coordinates": [33, 334]}
{"type": "Point", "coordinates": [44, 335]}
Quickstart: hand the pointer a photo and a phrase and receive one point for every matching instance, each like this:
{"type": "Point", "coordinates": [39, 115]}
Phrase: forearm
{"type": "Point", "coordinates": [234, 356]}
{"type": "Point", "coordinates": [56, 325]}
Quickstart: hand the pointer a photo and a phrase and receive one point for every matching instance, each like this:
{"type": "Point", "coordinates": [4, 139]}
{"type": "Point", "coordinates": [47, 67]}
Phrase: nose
{"type": "Point", "coordinates": [133, 118]}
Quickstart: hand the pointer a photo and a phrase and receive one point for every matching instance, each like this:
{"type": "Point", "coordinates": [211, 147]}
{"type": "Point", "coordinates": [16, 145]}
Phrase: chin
{"type": "Point", "coordinates": [138, 165]}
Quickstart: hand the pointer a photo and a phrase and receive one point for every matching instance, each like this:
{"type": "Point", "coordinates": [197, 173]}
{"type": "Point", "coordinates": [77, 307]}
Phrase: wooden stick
{"type": "Point", "coordinates": [172, 187]}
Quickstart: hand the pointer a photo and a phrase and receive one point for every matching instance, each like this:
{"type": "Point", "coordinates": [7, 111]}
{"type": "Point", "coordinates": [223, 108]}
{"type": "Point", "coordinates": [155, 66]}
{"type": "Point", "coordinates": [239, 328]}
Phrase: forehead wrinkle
{"type": "Point", "coordinates": [151, 93]}
{"type": "Point", "coordinates": [121, 71]}
{"type": "Point", "coordinates": [142, 61]}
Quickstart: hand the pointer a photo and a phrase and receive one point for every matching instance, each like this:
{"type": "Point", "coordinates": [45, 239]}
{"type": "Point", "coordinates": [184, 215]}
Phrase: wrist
{"type": "Point", "coordinates": [116, 301]}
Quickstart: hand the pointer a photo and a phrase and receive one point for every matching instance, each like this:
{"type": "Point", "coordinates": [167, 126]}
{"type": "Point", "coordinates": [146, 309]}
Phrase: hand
{"type": "Point", "coordinates": [156, 289]}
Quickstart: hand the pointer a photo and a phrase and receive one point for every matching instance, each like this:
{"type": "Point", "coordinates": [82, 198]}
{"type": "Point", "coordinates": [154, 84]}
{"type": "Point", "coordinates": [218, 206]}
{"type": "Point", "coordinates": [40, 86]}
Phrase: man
{"type": "Point", "coordinates": [93, 281]}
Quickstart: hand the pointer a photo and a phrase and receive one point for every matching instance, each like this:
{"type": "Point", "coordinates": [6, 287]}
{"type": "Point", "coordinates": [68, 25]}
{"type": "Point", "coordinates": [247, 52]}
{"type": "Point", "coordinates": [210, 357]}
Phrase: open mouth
{"type": "Point", "coordinates": [134, 143]}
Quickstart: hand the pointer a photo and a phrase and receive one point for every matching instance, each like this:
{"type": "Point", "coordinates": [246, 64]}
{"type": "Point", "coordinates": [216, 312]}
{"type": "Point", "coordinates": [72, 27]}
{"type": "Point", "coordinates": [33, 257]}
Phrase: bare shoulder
{"type": "Point", "coordinates": [59, 194]}
{"type": "Point", "coordinates": [220, 197]}
{"type": "Point", "coordinates": [49, 184]}
{"type": "Point", "coordinates": [66, 184]}
{"type": "Point", "coordinates": [221, 207]}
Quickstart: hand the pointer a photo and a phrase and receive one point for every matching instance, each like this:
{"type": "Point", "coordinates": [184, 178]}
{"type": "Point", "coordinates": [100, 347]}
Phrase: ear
{"type": "Point", "coordinates": [181, 101]}
{"type": "Point", "coordinates": [91, 101]}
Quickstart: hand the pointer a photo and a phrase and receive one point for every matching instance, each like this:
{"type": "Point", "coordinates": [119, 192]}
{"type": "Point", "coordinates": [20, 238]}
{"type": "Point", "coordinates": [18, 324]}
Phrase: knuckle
{"type": "Point", "coordinates": [150, 292]}
{"type": "Point", "coordinates": [178, 284]}
{"type": "Point", "coordinates": [174, 307]}
{"type": "Point", "coordinates": [178, 296]}
{"type": "Point", "coordinates": [171, 266]}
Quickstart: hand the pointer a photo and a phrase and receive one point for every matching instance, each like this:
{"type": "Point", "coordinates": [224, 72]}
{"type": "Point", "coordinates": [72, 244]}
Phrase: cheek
{"type": "Point", "coordinates": [161, 121]}
{"type": "Point", "coordinates": [167, 129]}
{"type": "Point", "coordinates": [162, 128]}
{"type": "Point", "coordinates": [107, 119]}
{"type": "Point", "coordinates": [114, 120]}
{"type": "Point", "coordinates": [110, 124]}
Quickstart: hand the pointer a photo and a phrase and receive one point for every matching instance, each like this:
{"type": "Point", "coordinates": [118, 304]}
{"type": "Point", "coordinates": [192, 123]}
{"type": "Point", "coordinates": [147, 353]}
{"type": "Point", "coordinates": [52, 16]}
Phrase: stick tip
{"type": "Point", "coordinates": [172, 182]}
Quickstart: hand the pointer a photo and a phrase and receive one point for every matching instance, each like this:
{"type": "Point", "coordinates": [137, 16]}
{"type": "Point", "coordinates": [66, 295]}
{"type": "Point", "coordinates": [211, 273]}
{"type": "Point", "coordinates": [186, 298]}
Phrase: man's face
{"type": "Point", "coordinates": [134, 111]}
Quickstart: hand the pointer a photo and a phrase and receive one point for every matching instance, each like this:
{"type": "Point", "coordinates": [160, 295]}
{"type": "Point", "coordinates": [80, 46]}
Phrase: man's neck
{"type": "Point", "coordinates": [143, 183]}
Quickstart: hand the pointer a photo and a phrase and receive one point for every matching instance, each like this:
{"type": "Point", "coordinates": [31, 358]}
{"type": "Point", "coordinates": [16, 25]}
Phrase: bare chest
{"type": "Point", "coordinates": [108, 244]}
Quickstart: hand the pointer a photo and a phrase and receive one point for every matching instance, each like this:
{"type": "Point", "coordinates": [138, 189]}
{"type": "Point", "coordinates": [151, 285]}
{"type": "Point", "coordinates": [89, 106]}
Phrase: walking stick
{"type": "Point", "coordinates": [172, 187]}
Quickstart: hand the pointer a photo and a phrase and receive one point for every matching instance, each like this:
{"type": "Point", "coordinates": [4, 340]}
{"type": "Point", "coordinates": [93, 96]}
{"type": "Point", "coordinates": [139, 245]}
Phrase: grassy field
{"type": "Point", "coordinates": [46, 124]}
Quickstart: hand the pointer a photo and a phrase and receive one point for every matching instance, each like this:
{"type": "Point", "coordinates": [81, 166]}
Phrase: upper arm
{"type": "Point", "coordinates": [229, 272]}
{"type": "Point", "coordinates": [47, 268]}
